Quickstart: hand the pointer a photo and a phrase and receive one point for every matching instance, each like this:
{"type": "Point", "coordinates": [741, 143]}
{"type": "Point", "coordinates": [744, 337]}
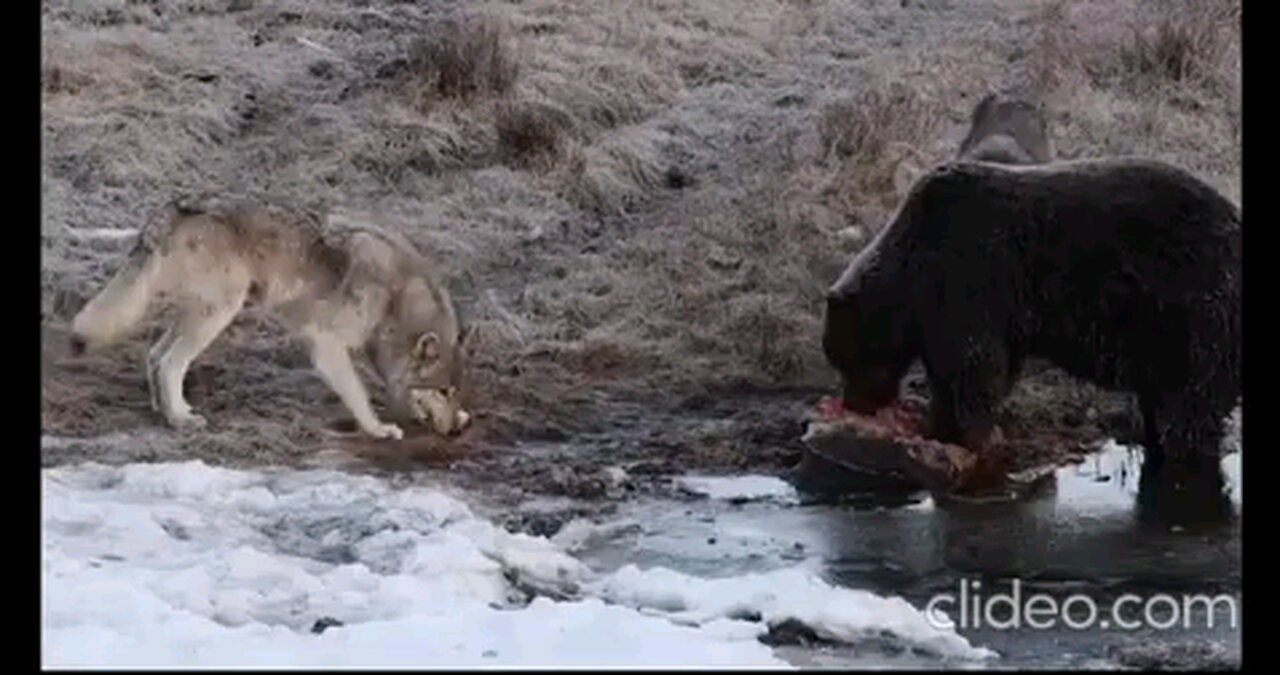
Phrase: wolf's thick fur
{"type": "Point", "coordinates": [341, 287]}
{"type": "Point", "coordinates": [1007, 130]}
{"type": "Point", "coordinates": [1122, 272]}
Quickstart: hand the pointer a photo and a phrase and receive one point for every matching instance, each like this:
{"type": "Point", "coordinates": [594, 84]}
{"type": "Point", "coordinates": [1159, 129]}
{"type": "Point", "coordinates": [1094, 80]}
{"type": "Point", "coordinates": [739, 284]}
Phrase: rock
{"type": "Point", "coordinates": [324, 623]}
{"type": "Point", "coordinates": [792, 632]}
{"type": "Point", "coordinates": [678, 178]}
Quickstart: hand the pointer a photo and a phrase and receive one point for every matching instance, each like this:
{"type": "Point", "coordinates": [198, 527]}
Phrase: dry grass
{"type": "Point", "coordinates": [1158, 79]}
{"type": "Point", "coordinates": [872, 138]}
{"type": "Point", "coordinates": [531, 134]}
{"type": "Point", "coordinates": [1143, 46]}
{"type": "Point", "coordinates": [629, 199]}
{"type": "Point", "coordinates": [1177, 49]}
{"type": "Point", "coordinates": [870, 123]}
{"type": "Point", "coordinates": [463, 57]}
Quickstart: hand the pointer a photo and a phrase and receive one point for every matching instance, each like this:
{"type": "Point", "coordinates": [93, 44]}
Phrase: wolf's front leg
{"type": "Point", "coordinates": [333, 360]}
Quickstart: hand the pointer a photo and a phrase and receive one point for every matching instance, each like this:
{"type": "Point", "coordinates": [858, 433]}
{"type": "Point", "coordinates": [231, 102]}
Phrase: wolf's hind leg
{"type": "Point", "coordinates": [333, 360]}
{"type": "Point", "coordinates": [191, 336]}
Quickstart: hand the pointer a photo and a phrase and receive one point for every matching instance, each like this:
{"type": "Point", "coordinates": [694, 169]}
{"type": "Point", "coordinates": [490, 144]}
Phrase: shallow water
{"type": "Point", "coordinates": [1078, 534]}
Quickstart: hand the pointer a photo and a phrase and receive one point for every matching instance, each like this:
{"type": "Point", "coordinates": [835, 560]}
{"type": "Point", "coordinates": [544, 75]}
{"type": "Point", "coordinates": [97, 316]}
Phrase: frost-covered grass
{"type": "Point", "coordinates": [630, 199]}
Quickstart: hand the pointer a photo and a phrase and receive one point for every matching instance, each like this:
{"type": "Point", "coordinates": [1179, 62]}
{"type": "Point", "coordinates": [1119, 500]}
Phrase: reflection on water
{"type": "Point", "coordinates": [1089, 524]}
{"type": "Point", "coordinates": [1081, 531]}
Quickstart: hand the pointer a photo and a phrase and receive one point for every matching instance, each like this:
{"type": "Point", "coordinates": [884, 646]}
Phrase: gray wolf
{"type": "Point", "coordinates": [1123, 272]}
{"type": "Point", "coordinates": [339, 286]}
{"type": "Point", "coordinates": [1007, 130]}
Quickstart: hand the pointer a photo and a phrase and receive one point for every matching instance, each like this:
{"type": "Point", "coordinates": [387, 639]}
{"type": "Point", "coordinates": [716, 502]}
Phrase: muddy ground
{"type": "Point", "coordinates": [638, 204]}
{"type": "Point", "coordinates": [1050, 418]}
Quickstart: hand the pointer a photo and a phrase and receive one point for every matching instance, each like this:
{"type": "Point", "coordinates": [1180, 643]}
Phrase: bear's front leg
{"type": "Point", "coordinates": [968, 380]}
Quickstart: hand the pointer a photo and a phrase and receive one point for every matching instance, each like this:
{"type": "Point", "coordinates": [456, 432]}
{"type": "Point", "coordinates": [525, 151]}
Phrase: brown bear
{"type": "Point", "coordinates": [1123, 272]}
{"type": "Point", "coordinates": [1007, 130]}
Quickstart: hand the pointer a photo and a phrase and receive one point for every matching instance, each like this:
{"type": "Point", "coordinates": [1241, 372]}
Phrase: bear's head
{"type": "Point", "coordinates": [869, 334]}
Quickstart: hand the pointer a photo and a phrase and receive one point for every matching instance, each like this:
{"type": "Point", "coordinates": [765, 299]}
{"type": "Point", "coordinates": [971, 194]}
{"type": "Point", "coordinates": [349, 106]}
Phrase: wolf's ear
{"type": "Point", "coordinates": [427, 348]}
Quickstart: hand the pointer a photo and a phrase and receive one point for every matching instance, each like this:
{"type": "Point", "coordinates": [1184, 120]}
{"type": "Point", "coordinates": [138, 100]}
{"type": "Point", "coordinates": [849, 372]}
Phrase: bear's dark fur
{"type": "Point", "coordinates": [1123, 272]}
{"type": "Point", "coordinates": [1007, 128]}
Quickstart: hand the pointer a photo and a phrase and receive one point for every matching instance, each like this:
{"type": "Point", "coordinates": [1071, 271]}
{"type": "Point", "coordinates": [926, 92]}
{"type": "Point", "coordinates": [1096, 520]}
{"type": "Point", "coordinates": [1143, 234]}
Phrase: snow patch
{"type": "Point", "coordinates": [164, 565]}
{"type": "Point", "coordinates": [840, 614]}
{"type": "Point", "coordinates": [1233, 439]}
{"type": "Point", "coordinates": [739, 488]}
{"type": "Point", "coordinates": [580, 533]}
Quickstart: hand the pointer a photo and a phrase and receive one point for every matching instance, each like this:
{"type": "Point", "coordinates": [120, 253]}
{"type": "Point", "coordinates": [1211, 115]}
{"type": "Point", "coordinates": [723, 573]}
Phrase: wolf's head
{"type": "Point", "coordinates": [1007, 129]}
{"type": "Point", "coordinates": [426, 379]}
{"type": "Point", "coordinates": [422, 355]}
{"type": "Point", "coordinates": [435, 382]}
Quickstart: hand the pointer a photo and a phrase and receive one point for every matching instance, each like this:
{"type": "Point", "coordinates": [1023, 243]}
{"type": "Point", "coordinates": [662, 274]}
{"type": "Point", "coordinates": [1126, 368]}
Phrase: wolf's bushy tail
{"type": "Point", "coordinates": [121, 304]}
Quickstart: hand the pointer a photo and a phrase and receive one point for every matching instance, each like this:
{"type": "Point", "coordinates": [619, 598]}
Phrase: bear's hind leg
{"type": "Point", "coordinates": [1152, 446]}
{"type": "Point", "coordinates": [1186, 428]}
{"type": "Point", "coordinates": [1182, 479]}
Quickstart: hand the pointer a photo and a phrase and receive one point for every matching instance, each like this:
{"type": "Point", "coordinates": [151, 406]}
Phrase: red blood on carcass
{"type": "Point", "coordinates": [903, 418]}
{"type": "Point", "coordinates": [857, 440]}
{"type": "Point", "coordinates": [831, 406]}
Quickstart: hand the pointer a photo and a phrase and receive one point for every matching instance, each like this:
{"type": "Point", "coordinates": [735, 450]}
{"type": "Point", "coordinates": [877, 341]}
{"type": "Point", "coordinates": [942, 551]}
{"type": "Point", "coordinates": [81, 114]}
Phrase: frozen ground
{"type": "Point", "coordinates": [185, 564]}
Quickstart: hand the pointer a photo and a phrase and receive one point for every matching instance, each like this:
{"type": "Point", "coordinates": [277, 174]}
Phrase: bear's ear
{"type": "Point", "coordinates": [427, 349]}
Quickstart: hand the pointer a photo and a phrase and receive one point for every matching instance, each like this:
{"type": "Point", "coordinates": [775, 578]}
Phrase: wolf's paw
{"type": "Point", "coordinates": [187, 421]}
{"type": "Point", "coordinates": [385, 431]}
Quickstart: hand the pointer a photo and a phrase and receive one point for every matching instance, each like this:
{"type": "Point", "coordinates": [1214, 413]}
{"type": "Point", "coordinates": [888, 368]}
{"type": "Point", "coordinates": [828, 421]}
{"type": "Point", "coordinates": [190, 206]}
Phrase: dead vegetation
{"type": "Point", "coordinates": [631, 200]}
{"type": "Point", "coordinates": [1160, 79]}
{"type": "Point", "coordinates": [870, 137]}
{"type": "Point", "coordinates": [531, 134]}
{"type": "Point", "coordinates": [463, 57]}
{"type": "Point", "coordinates": [1142, 46]}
